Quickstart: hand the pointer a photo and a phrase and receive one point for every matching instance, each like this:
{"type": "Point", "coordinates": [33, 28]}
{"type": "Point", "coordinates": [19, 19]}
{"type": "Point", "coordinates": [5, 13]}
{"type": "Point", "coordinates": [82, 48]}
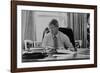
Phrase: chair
{"type": "Point", "coordinates": [69, 33]}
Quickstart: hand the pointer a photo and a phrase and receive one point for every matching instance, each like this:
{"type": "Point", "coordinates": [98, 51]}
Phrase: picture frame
{"type": "Point", "coordinates": [16, 29]}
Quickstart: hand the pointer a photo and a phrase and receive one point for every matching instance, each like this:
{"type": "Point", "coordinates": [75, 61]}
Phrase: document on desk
{"type": "Point", "coordinates": [61, 50]}
{"type": "Point", "coordinates": [64, 54]}
{"type": "Point", "coordinates": [64, 51]}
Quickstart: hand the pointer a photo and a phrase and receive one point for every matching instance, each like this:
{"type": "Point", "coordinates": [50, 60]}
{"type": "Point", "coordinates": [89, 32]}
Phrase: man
{"type": "Point", "coordinates": [55, 39]}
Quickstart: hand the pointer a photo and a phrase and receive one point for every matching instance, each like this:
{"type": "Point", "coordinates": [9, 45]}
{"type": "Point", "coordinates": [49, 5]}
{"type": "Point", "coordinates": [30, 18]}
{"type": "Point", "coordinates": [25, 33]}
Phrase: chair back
{"type": "Point", "coordinates": [69, 33]}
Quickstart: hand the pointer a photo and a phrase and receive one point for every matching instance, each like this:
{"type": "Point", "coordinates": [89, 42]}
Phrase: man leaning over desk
{"type": "Point", "coordinates": [55, 39]}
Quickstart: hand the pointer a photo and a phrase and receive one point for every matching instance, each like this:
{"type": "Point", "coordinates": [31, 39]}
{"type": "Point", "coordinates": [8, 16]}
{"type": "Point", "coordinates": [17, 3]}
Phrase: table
{"type": "Point", "coordinates": [81, 54]}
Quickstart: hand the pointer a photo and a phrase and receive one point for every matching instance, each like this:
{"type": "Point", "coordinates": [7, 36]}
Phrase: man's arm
{"type": "Point", "coordinates": [48, 49]}
{"type": "Point", "coordinates": [68, 43]}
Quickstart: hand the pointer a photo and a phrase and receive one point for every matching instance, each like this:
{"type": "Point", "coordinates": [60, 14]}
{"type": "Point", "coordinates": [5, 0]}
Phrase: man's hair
{"type": "Point", "coordinates": [54, 22]}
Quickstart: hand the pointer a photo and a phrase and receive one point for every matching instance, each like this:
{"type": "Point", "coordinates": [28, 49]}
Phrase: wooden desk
{"type": "Point", "coordinates": [81, 54]}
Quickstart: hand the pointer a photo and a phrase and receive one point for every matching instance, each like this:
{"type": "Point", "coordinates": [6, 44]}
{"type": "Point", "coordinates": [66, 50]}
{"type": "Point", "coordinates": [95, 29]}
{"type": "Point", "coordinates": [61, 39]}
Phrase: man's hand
{"type": "Point", "coordinates": [51, 50]}
{"type": "Point", "coordinates": [72, 49]}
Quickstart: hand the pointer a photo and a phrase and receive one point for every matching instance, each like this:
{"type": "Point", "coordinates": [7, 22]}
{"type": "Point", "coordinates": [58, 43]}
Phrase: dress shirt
{"type": "Point", "coordinates": [62, 40]}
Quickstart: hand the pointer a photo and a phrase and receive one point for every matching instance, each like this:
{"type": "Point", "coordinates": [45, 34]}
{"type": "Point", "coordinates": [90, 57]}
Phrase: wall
{"type": "Point", "coordinates": [5, 37]}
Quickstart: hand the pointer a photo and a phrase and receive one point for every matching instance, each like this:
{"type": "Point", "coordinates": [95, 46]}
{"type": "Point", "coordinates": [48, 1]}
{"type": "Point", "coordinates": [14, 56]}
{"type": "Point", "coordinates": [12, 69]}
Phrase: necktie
{"type": "Point", "coordinates": [55, 42]}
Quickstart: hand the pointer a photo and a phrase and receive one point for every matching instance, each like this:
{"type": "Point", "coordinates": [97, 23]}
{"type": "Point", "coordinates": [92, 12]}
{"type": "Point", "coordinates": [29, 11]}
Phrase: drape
{"type": "Point", "coordinates": [28, 26]}
{"type": "Point", "coordinates": [78, 23]}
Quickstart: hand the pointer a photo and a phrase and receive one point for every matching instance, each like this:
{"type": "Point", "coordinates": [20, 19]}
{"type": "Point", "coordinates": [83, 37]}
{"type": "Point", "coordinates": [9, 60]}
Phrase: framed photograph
{"type": "Point", "coordinates": [52, 36]}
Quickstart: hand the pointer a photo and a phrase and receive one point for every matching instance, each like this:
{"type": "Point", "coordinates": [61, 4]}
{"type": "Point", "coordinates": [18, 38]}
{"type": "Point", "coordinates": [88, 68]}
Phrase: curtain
{"type": "Point", "coordinates": [28, 26]}
{"type": "Point", "coordinates": [78, 23]}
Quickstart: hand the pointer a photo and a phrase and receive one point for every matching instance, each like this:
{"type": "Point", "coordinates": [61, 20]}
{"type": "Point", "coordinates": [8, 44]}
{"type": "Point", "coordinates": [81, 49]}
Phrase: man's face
{"type": "Point", "coordinates": [53, 29]}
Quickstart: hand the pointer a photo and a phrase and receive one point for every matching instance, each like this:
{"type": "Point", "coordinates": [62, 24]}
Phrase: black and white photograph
{"type": "Point", "coordinates": [51, 36]}
{"type": "Point", "coordinates": [55, 36]}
